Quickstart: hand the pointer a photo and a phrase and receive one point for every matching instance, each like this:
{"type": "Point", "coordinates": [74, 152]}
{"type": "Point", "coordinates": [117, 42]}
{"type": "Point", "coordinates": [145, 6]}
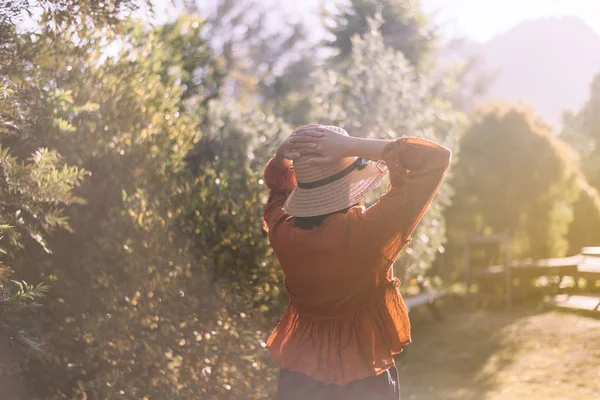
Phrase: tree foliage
{"type": "Point", "coordinates": [582, 131]}
{"type": "Point", "coordinates": [168, 286]}
{"type": "Point", "coordinates": [131, 162]}
{"type": "Point", "coordinates": [389, 99]}
{"type": "Point", "coordinates": [17, 300]}
{"type": "Point", "coordinates": [513, 176]}
{"type": "Point", "coordinates": [36, 187]}
{"type": "Point", "coordinates": [262, 62]}
{"type": "Point", "coordinates": [584, 229]}
{"type": "Point", "coordinates": [404, 28]}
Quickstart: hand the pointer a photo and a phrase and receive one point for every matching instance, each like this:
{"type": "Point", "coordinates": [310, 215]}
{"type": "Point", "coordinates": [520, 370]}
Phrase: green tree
{"type": "Point", "coordinates": [271, 66]}
{"type": "Point", "coordinates": [17, 299]}
{"type": "Point", "coordinates": [253, 53]}
{"type": "Point", "coordinates": [36, 186]}
{"type": "Point", "coordinates": [583, 230]}
{"type": "Point", "coordinates": [582, 131]}
{"type": "Point", "coordinates": [388, 99]}
{"type": "Point", "coordinates": [404, 28]}
{"type": "Point", "coordinates": [512, 176]}
{"type": "Point", "coordinates": [167, 288]}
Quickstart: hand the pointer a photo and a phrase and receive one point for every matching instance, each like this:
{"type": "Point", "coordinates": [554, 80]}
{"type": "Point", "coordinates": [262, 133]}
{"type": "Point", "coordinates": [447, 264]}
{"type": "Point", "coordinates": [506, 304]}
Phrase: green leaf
{"type": "Point", "coordinates": [63, 125]}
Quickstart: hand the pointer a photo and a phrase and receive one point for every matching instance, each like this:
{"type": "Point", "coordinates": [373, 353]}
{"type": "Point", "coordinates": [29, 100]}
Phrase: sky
{"type": "Point", "coordinates": [477, 20]}
{"type": "Point", "coordinates": [480, 20]}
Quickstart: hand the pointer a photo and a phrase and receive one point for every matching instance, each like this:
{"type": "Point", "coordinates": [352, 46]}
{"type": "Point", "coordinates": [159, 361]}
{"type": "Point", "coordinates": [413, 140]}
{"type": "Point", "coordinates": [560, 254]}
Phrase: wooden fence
{"type": "Point", "coordinates": [584, 265]}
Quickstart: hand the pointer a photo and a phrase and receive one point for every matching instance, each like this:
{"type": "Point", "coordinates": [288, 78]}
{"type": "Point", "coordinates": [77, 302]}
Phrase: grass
{"type": "Point", "coordinates": [525, 354]}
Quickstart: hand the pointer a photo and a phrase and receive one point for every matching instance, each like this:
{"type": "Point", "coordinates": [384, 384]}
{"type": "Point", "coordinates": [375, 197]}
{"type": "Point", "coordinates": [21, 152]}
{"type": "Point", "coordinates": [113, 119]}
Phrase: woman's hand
{"type": "Point", "coordinates": [300, 143]}
{"type": "Point", "coordinates": [330, 147]}
{"type": "Point", "coordinates": [321, 146]}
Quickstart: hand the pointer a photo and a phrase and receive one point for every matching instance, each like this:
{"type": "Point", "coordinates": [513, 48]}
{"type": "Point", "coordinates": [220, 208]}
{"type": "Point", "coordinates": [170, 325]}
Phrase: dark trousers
{"type": "Point", "coordinates": [296, 386]}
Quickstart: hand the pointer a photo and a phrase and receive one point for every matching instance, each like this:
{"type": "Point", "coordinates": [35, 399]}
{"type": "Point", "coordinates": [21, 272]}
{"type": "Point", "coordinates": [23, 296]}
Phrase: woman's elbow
{"type": "Point", "coordinates": [443, 156]}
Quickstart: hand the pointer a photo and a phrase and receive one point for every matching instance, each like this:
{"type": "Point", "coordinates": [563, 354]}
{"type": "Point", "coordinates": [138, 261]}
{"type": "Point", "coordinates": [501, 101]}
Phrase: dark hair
{"type": "Point", "coordinates": [308, 223]}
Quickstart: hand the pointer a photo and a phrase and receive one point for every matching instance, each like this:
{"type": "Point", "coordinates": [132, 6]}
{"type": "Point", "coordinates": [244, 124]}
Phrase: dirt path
{"type": "Point", "coordinates": [522, 355]}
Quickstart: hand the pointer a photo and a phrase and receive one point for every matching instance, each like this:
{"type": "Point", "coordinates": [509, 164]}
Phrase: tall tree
{"type": "Point", "coordinates": [583, 231]}
{"type": "Point", "coordinates": [166, 289]}
{"type": "Point", "coordinates": [404, 28]}
{"type": "Point", "coordinates": [388, 99]}
{"type": "Point", "coordinates": [254, 54]}
{"type": "Point", "coordinates": [37, 184]}
{"type": "Point", "coordinates": [513, 176]}
{"type": "Point", "coordinates": [270, 65]}
{"type": "Point", "coordinates": [582, 131]}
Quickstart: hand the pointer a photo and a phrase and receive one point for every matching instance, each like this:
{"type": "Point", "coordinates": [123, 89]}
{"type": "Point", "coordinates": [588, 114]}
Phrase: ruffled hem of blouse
{"type": "Point", "coordinates": [338, 349]}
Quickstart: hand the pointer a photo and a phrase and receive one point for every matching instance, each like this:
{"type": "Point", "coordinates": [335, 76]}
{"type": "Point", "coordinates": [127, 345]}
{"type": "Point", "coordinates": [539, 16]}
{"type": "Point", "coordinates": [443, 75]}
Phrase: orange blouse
{"type": "Point", "coordinates": [346, 318]}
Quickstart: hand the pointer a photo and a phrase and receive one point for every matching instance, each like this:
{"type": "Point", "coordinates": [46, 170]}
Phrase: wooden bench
{"type": "Point", "coordinates": [588, 267]}
{"type": "Point", "coordinates": [585, 265]}
{"type": "Point", "coordinates": [578, 302]}
{"type": "Point", "coordinates": [591, 251]}
{"type": "Point", "coordinates": [533, 268]}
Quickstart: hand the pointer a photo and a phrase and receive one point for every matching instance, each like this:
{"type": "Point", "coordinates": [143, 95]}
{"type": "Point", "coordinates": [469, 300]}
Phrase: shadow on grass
{"type": "Point", "coordinates": [459, 357]}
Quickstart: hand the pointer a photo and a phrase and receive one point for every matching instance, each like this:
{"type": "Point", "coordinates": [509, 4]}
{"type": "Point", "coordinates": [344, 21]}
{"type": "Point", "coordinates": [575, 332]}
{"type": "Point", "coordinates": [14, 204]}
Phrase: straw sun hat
{"type": "Point", "coordinates": [324, 189]}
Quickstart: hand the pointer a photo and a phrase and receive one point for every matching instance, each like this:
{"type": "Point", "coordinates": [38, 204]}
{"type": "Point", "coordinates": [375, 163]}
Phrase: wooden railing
{"type": "Point", "coordinates": [585, 265]}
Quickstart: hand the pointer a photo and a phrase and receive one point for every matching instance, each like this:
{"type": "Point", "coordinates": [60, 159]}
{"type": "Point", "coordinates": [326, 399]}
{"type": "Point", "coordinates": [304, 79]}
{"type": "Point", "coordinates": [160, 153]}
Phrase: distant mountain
{"type": "Point", "coordinates": [548, 63]}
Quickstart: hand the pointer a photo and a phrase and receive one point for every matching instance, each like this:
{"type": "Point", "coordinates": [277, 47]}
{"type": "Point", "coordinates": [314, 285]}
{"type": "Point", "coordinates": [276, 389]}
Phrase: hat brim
{"type": "Point", "coordinates": [335, 196]}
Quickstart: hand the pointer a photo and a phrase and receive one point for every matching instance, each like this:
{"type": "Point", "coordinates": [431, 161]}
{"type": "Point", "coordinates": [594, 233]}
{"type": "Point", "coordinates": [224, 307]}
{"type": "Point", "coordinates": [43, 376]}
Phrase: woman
{"type": "Point", "coordinates": [345, 319]}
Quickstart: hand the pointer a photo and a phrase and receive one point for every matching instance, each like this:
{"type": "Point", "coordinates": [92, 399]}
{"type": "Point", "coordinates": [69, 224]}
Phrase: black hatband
{"type": "Point", "coordinates": [359, 164]}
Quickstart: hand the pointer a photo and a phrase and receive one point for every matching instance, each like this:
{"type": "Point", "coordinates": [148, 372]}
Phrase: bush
{"type": "Point", "coordinates": [167, 287]}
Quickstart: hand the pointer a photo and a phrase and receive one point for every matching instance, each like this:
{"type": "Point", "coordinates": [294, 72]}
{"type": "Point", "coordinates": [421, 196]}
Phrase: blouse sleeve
{"type": "Point", "coordinates": [416, 167]}
{"type": "Point", "coordinates": [281, 181]}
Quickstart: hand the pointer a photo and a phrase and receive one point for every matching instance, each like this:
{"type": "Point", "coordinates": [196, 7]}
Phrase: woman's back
{"type": "Point", "coordinates": [346, 318]}
{"type": "Point", "coordinates": [328, 268]}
